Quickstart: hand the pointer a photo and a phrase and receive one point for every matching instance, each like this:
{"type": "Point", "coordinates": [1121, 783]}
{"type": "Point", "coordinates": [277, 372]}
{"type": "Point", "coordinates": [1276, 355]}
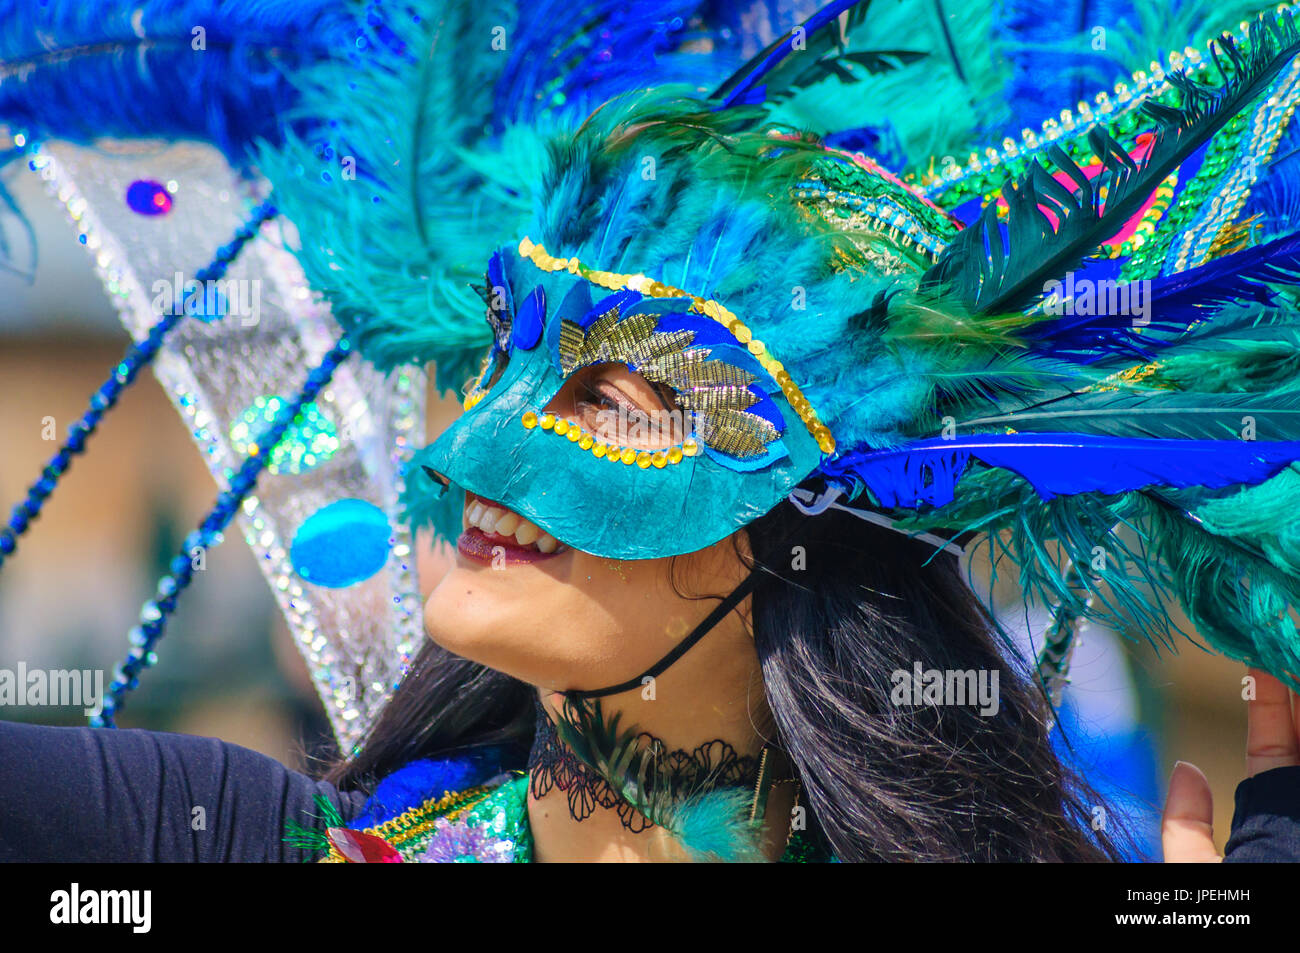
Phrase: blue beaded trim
{"type": "Point", "coordinates": [137, 356]}
{"type": "Point", "coordinates": [154, 613]}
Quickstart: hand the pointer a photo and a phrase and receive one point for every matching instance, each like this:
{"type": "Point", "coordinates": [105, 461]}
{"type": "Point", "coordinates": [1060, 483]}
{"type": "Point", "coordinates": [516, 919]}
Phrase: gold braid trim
{"type": "Point", "coordinates": [411, 823]}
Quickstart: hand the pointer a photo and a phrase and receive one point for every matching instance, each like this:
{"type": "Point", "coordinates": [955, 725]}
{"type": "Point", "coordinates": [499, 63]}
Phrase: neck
{"type": "Point", "coordinates": [575, 817]}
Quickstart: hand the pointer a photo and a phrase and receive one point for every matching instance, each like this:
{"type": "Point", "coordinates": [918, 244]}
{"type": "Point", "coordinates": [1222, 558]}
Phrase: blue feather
{"type": "Point", "coordinates": [558, 63]}
{"type": "Point", "coordinates": [1274, 201]}
{"type": "Point", "coordinates": [1059, 464]}
{"type": "Point", "coordinates": [1050, 58]}
{"type": "Point", "coordinates": [1174, 303]}
{"type": "Point", "coordinates": [126, 68]}
{"type": "Point", "coordinates": [739, 92]}
{"type": "Point", "coordinates": [426, 778]}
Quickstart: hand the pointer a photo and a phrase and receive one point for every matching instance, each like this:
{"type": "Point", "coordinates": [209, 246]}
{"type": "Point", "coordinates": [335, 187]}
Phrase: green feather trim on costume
{"type": "Point", "coordinates": [1228, 558]}
{"type": "Point", "coordinates": [939, 99]}
{"type": "Point", "coordinates": [314, 838]}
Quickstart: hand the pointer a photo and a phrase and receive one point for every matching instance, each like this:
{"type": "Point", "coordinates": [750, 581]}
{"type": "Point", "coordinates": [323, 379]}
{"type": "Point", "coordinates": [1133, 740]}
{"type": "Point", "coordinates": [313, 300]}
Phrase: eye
{"type": "Point", "coordinates": [625, 410]}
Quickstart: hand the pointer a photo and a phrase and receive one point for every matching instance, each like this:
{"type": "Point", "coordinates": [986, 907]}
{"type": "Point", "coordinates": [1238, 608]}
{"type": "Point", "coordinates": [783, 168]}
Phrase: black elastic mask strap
{"type": "Point", "coordinates": [700, 631]}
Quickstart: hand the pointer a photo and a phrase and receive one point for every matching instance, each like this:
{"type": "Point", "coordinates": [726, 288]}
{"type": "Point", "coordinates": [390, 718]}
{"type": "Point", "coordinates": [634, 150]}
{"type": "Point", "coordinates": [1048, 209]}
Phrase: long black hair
{"type": "Point", "coordinates": [833, 621]}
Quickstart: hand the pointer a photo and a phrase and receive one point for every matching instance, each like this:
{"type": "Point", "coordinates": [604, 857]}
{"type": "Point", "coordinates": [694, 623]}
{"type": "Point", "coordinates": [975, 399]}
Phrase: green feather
{"type": "Point", "coordinates": [1168, 414]}
{"type": "Point", "coordinates": [1234, 564]}
{"type": "Point", "coordinates": [314, 838]}
{"type": "Point", "coordinates": [711, 825]}
{"type": "Point", "coordinates": [1231, 559]}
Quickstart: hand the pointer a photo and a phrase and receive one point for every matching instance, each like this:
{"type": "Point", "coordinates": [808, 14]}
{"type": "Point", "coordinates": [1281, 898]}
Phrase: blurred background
{"type": "Point", "coordinates": [122, 511]}
{"type": "Point", "coordinates": [228, 667]}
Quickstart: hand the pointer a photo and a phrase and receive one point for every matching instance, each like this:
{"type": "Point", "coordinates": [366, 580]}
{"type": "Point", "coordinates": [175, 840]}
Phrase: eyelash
{"type": "Point", "coordinates": [602, 399]}
{"type": "Point", "coordinates": [499, 362]}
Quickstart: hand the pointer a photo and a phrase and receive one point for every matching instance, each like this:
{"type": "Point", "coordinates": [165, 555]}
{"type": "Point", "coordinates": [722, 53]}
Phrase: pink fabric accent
{"type": "Point", "coordinates": [1140, 150]}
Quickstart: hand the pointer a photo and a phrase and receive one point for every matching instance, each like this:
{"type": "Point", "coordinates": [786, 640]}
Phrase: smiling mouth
{"type": "Point", "coordinates": [493, 533]}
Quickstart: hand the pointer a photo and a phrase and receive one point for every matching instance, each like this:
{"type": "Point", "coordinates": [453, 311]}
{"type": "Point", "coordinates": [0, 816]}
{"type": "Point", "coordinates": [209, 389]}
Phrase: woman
{"type": "Point", "coordinates": [723, 328]}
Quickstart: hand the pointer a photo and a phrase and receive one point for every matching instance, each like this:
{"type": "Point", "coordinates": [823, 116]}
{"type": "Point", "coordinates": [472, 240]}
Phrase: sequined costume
{"type": "Point", "coordinates": [414, 817]}
{"type": "Point", "coordinates": [130, 796]}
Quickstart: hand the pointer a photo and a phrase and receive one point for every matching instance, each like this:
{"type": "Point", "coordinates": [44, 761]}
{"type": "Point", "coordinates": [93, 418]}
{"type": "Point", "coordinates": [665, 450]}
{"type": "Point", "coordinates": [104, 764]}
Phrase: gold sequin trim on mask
{"type": "Point", "coordinates": [657, 289]}
{"type": "Point", "coordinates": [606, 451]}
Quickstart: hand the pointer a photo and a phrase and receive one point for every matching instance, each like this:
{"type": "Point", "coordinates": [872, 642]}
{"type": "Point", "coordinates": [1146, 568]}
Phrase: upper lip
{"type": "Point", "coordinates": [525, 531]}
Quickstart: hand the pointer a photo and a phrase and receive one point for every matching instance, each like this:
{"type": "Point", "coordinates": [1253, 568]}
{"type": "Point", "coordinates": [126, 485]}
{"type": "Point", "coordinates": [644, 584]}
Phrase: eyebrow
{"type": "Point", "coordinates": [659, 387]}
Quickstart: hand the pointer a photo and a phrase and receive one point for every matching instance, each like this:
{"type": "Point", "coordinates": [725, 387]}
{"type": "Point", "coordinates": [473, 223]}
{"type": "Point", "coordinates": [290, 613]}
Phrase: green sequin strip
{"type": "Point", "coordinates": [1147, 261]}
{"type": "Point", "coordinates": [1240, 171]}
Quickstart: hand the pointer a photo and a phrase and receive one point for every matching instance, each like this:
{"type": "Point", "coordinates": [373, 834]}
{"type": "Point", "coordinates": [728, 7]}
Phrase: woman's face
{"type": "Point", "coordinates": [521, 602]}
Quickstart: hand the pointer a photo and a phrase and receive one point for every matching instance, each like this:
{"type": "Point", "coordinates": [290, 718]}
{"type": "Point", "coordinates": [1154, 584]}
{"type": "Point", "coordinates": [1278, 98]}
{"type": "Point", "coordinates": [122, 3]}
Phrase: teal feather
{"type": "Point", "coordinates": [1228, 557]}
{"type": "Point", "coordinates": [1234, 564]}
{"type": "Point", "coordinates": [710, 825]}
{"type": "Point", "coordinates": [715, 827]}
{"type": "Point", "coordinates": [951, 94]}
{"type": "Point", "coordinates": [443, 176]}
{"type": "Point", "coordinates": [375, 244]}
{"type": "Point", "coordinates": [1173, 415]}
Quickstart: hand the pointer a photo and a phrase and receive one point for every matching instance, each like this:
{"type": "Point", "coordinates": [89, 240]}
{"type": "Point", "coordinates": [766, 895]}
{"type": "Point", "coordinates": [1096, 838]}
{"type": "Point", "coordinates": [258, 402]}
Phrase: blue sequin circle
{"type": "Point", "coordinates": [341, 544]}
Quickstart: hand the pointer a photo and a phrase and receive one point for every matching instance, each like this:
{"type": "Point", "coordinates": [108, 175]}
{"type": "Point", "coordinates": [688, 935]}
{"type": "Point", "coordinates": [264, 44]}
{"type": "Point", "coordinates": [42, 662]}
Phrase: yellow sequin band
{"type": "Point", "coordinates": [606, 451]}
{"type": "Point", "coordinates": [657, 289]}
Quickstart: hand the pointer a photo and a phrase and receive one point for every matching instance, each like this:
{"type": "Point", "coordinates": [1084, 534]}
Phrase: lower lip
{"type": "Point", "coordinates": [493, 550]}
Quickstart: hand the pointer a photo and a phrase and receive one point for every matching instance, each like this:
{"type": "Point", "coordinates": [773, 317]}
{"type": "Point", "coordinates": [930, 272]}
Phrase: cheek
{"type": "Point", "coordinates": [558, 631]}
{"type": "Point", "coordinates": [483, 615]}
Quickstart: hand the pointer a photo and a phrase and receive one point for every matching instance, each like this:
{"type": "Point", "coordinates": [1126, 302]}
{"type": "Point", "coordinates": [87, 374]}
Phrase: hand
{"type": "Point", "coordinates": [1272, 741]}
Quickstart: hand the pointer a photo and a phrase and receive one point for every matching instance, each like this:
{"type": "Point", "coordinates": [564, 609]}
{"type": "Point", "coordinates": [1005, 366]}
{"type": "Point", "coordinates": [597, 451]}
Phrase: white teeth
{"type": "Point", "coordinates": [494, 519]}
{"type": "Point", "coordinates": [527, 533]}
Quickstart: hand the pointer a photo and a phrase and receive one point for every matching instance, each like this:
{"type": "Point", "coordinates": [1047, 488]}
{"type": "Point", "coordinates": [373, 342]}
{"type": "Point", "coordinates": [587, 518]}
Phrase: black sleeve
{"type": "Point", "coordinates": [1266, 820]}
{"type": "Point", "coordinates": [87, 794]}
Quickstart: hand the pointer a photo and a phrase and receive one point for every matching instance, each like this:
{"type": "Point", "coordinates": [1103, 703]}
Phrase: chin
{"type": "Point", "coordinates": [480, 616]}
{"type": "Point", "coordinates": [462, 613]}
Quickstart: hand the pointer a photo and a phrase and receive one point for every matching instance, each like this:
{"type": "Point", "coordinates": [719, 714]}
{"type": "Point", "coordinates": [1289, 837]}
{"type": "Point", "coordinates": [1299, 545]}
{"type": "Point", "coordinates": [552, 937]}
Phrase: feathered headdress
{"type": "Point", "coordinates": [1039, 374]}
